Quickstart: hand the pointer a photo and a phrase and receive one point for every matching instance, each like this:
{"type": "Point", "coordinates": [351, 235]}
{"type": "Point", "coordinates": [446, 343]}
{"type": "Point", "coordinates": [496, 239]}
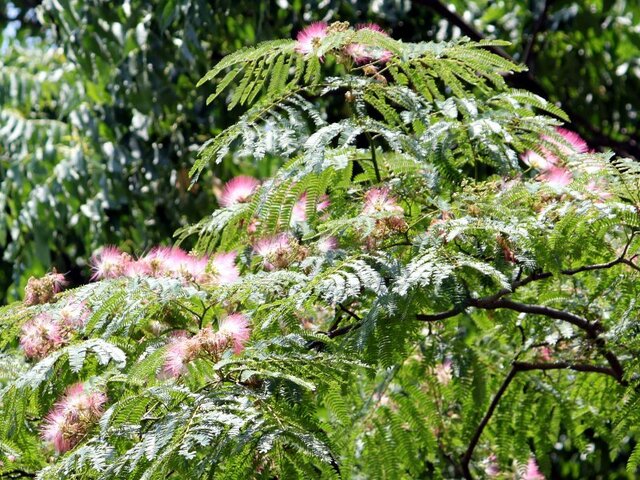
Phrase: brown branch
{"type": "Point", "coordinates": [436, 317]}
{"type": "Point", "coordinates": [582, 323]}
{"type": "Point", "coordinates": [577, 367]}
{"type": "Point", "coordinates": [515, 368]}
{"type": "Point", "coordinates": [592, 329]}
{"type": "Point", "coordinates": [466, 458]}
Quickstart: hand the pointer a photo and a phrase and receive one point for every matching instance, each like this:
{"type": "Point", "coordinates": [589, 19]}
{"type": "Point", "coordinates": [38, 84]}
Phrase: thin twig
{"type": "Point", "coordinates": [527, 56]}
{"type": "Point", "coordinates": [374, 158]}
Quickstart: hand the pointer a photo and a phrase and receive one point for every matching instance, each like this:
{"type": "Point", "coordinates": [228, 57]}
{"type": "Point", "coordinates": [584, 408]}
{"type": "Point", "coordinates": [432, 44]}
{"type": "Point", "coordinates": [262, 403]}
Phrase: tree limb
{"type": "Point", "coordinates": [515, 368]}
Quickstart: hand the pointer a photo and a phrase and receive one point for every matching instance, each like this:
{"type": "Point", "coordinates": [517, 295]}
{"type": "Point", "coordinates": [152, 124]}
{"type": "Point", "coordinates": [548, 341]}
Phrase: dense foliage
{"type": "Point", "coordinates": [120, 79]}
{"type": "Point", "coordinates": [439, 282]}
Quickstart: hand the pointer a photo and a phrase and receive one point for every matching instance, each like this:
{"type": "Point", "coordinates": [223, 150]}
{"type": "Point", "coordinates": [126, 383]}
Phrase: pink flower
{"type": "Point", "coordinates": [362, 54]}
{"type": "Point", "coordinates": [378, 200]}
{"type": "Point", "coordinates": [576, 142]}
{"type": "Point", "coordinates": [532, 472]}
{"type": "Point", "coordinates": [40, 336]}
{"type": "Point", "coordinates": [556, 176]}
{"type": "Point", "coordinates": [71, 417]}
{"type": "Point", "coordinates": [299, 212]}
{"type": "Point", "coordinates": [276, 251]}
{"type": "Point", "coordinates": [42, 290]}
{"type": "Point", "coordinates": [223, 268]}
{"type": "Point", "coordinates": [238, 190]}
{"type": "Point", "coordinates": [546, 159]}
{"type": "Point", "coordinates": [74, 314]}
{"type": "Point", "coordinates": [110, 263]}
{"type": "Point", "coordinates": [156, 261]}
{"type": "Point", "coordinates": [236, 329]}
{"type": "Point", "coordinates": [57, 280]}
{"type": "Point", "coordinates": [594, 187]}
{"type": "Point", "coordinates": [444, 372]}
{"type": "Point", "coordinates": [53, 431]}
{"type": "Point", "coordinates": [182, 350]}
{"type": "Point", "coordinates": [492, 468]}
{"type": "Point", "coordinates": [545, 353]}
{"type": "Point", "coordinates": [308, 39]}
{"type": "Point", "coordinates": [327, 244]}
{"type": "Point", "coordinates": [176, 262]}
{"type": "Point", "coordinates": [138, 268]}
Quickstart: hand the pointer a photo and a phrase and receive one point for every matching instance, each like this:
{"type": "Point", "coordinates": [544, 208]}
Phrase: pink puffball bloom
{"type": "Point", "coordinates": [492, 468]}
{"type": "Point", "coordinates": [57, 280]}
{"type": "Point", "coordinates": [223, 269]}
{"type": "Point", "coordinates": [596, 189]}
{"type": "Point", "coordinates": [138, 268]}
{"type": "Point", "coordinates": [378, 200]}
{"type": "Point", "coordinates": [444, 372]}
{"type": "Point", "coordinates": [157, 261]}
{"type": "Point", "coordinates": [299, 212]}
{"type": "Point", "coordinates": [78, 403]}
{"type": "Point", "coordinates": [40, 336]}
{"type": "Point", "coordinates": [236, 329]}
{"type": "Point", "coordinates": [545, 353]}
{"type": "Point", "coordinates": [53, 431]}
{"type": "Point", "coordinates": [176, 261]}
{"type": "Point", "coordinates": [182, 350]}
{"type": "Point", "coordinates": [362, 54]}
{"type": "Point", "coordinates": [575, 141]}
{"type": "Point", "coordinates": [274, 250]}
{"type": "Point", "coordinates": [556, 176]}
{"type": "Point", "coordinates": [327, 244]}
{"type": "Point", "coordinates": [71, 417]}
{"type": "Point", "coordinates": [42, 290]}
{"type": "Point", "coordinates": [110, 263]}
{"type": "Point", "coordinates": [74, 314]}
{"type": "Point", "coordinates": [532, 472]}
{"type": "Point", "coordinates": [309, 38]}
{"type": "Point", "coordinates": [546, 159]}
{"type": "Point", "coordinates": [238, 190]}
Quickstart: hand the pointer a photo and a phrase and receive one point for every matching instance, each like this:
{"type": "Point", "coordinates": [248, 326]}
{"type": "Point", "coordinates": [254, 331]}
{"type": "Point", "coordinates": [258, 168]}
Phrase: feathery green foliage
{"type": "Point", "coordinates": [423, 302]}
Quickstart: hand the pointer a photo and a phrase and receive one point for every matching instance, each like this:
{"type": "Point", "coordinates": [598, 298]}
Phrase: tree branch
{"type": "Point", "coordinates": [515, 368]}
{"type": "Point", "coordinates": [527, 56]}
{"type": "Point", "coordinates": [466, 458]}
{"type": "Point", "coordinates": [582, 323]}
{"type": "Point", "coordinates": [435, 317]}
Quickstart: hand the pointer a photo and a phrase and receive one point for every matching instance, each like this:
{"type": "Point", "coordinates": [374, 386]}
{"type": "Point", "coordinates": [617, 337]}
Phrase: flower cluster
{"type": "Point", "coordinates": [42, 290]}
{"type": "Point", "coordinates": [380, 204]}
{"type": "Point", "coordinates": [167, 262]}
{"type": "Point", "coordinates": [238, 190]}
{"type": "Point", "coordinates": [299, 211]}
{"type": "Point", "coordinates": [72, 416]}
{"type": "Point", "coordinates": [309, 39]}
{"type": "Point", "coordinates": [48, 331]}
{"type": "Point", "coordinates": [363, 54]}
{"type": "Point", "coordinates": [233, 333]}
{"type": "Point", "coordinates": [548, 163]}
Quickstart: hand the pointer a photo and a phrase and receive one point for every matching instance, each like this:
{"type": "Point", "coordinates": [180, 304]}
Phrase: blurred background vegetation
{"type": "Point", "coordinates": [100, 118]}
